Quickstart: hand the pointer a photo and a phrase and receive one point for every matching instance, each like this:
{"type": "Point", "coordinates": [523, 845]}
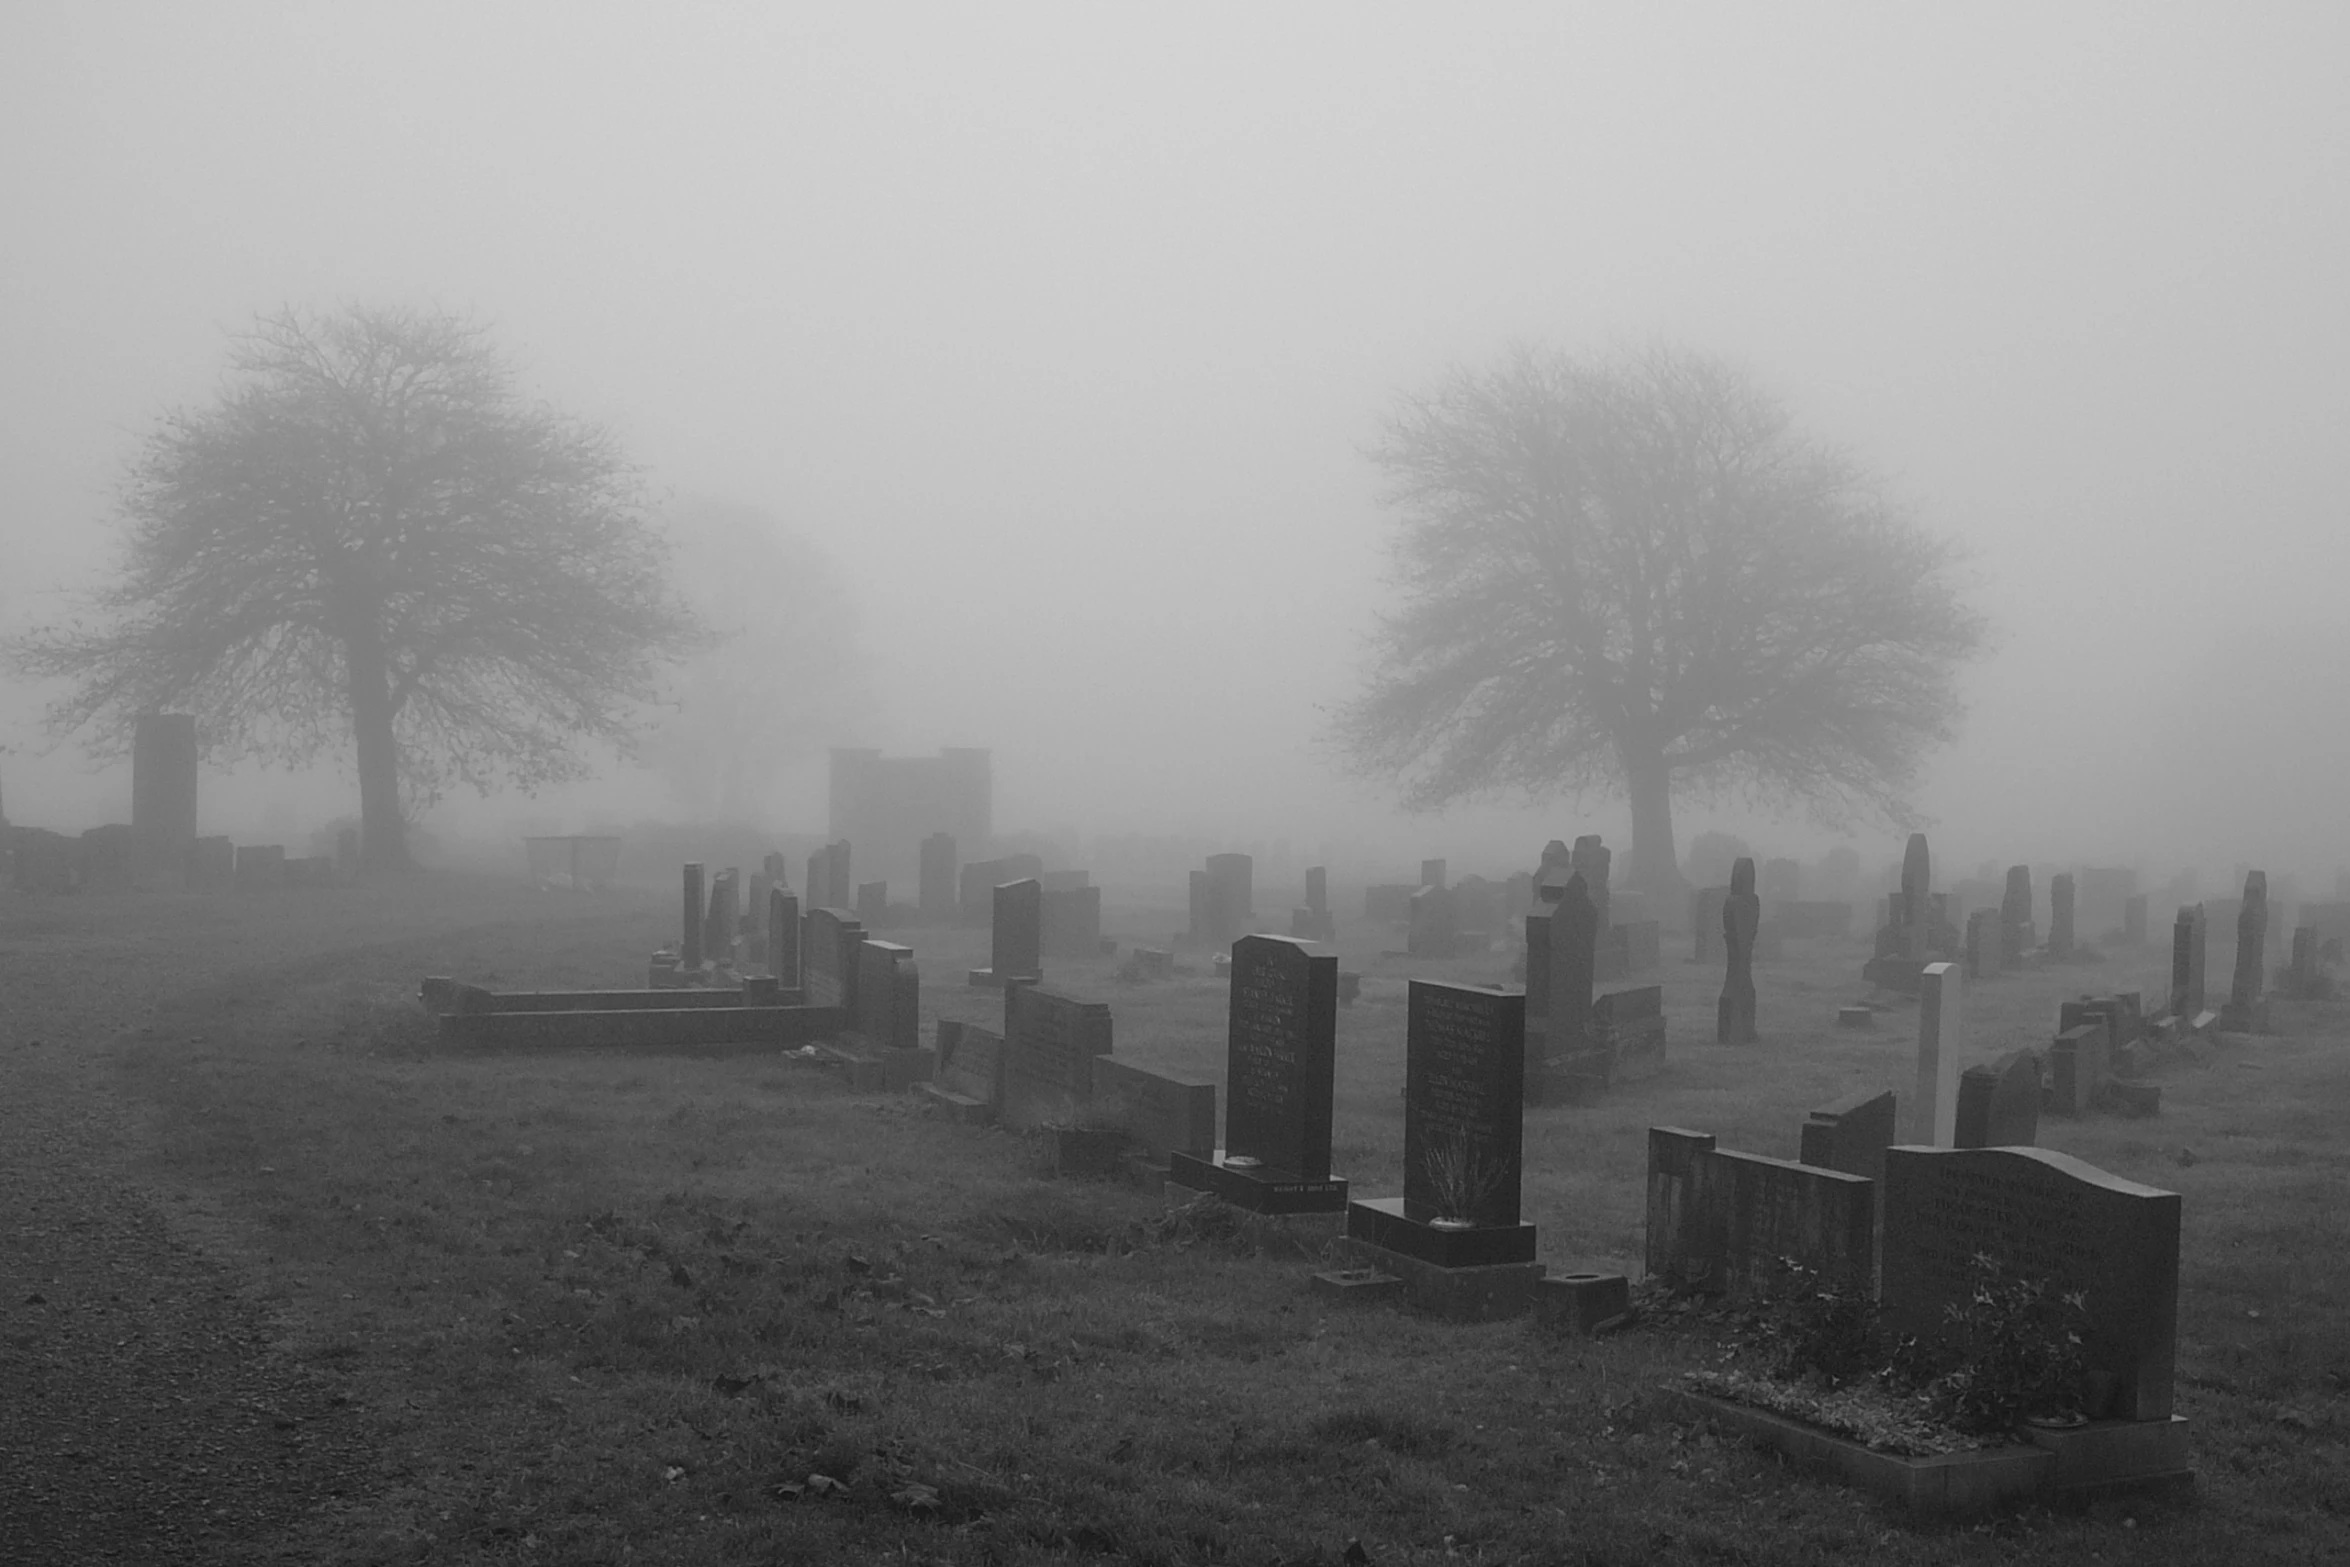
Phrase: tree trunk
{"type": "Point", "coordinates": [383, 831]}
{"type": "Point", "coordinates": [1655, 867]}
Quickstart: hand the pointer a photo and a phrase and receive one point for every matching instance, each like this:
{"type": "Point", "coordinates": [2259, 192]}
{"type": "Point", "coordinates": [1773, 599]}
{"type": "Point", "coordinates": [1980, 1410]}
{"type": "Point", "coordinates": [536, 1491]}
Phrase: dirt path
{"type": "Point", "coordinates": [144, 1416]}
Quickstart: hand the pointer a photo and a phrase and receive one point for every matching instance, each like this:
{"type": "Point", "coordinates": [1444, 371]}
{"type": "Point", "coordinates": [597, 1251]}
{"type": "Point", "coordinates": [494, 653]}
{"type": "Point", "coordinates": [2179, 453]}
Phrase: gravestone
{"type": "Point", "coordinates": [1628, 1030]}
{"type": "Point", "coordinates": [1727, 1223]}
{"type": "Point", "coordinates": [970, 1077]}
{"type": "Point", "coordinates": [1432, 873]}
{"type": "Point", "coordinates": [2017, 936]}
{"type": "Point", "coordinates": [976, 884]}
{"type": "Point", "coordinates": [1281, 1050]}
{"type": "Point", "coordinates": [163, 787]}
{"type": "Point", "coordinates": [2305, 977]}
{"type": "Point", "coordinates": [2247, 1009]}
{"type": "Point", "coordinates": [888, 1007]}
{"type": "Point", "coordinates": [1563, 1060]}
{"type": "Point", "coordinates": [2134, 919]}
{"type": "Point", "coordinates": [1941, 1035]}
{"type": "Point", "coordinates": [1166, 1115]}
{"type": "Point", "coordinates": [1851, 1134]}
{"type": "Point", "coordinates": [689, 951]}
{"type": "Point", "coordinates": [2079, 1064]}
{"type": "Point", "coordinates": [1070, 922]}
{"type": "Point", "coordinates": [1435, 931]}
{"type": "Point", "coordinates": [873, 904]}
{"type": "Point", "coordinates": [718, 924]}
{"type": "Point", "coordinates": [1999, 1104]}
{"type": "Point", "coordinates": [829, 939]}
{"type": "Point", "coordinates": [783, 938]}
{"type": "Point", "coordinates": [1464, 1079]}
{"type": "Point", "coordinates": [1050, 1042]}
{"type": "Point", "coordinates": [2060, 916]}
{"type": "Point", "coordinates": [2039, 1215]}
{"type": "Point", "coordinates": [1592, 860]}
{"type": "Point", "coordinates": [1984, 948]}
{"type": "Point", "coordinates": [2188, 944]}
{"type": "Point", "coordinates": [1550, 875]}
{"type": "Point", "coordinates": [935, 884]}
{"type": "Point", "coordinates": [1015, 937]}
{"type": "Point", "coordinates": [1741, 916]}
{"type": "Point", "coordinates": [1917, 886]}
{"type": "Point", "coordinates": [1705, 915]}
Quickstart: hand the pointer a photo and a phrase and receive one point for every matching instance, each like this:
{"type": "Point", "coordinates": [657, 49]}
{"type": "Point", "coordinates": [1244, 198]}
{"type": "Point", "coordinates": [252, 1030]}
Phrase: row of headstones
{"type": "Point", "coordinates": [117, 858]}
{"type": "Point", "coordinates": [1923, 926]}
{"type": "Point", "coordinates": [1905, 1223]}
{"type": "Point", "coordinates": [1579, 1043]}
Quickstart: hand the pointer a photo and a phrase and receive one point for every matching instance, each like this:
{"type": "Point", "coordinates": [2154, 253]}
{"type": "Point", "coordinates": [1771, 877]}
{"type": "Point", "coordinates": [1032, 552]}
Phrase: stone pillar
{"type": "Point", "coordinates": [689, 952]}
{"type": "Point", "coordinates": [1941, 1035]}
{"type": "Point", "coordinates": [2247, 1011]}
{"type": "Point", "coordinates": [2187, 944]}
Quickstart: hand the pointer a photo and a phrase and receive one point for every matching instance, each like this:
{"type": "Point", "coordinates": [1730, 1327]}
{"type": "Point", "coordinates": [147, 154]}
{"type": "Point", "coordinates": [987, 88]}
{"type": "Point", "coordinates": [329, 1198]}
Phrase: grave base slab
{"type": "Point", "coordinates": [1492, 1292]}
{"type": "Point", "coordinates": [1381, 1222]}
{"type": "Point", "coordinates": [2102, 1458]}
{"type": "Point", "coordinates": [961, 1109]}
{"type": "Point", "coordinates": [1261, 1189]}
{"type": "Point", "coordinates": [1359, 1287]}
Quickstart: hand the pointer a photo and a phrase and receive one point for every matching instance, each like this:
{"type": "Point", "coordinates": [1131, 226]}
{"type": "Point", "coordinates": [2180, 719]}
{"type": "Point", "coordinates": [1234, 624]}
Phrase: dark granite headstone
{"type": "Point", "coordinates": [1741, 917]}
{"type": "Point", "coordinates": [1016, 936]}
{"type": "Point", "coordinates": [2040, 1215]}
{"type": "Point", "coordinates": [1563, 1060]}
{"type": "Point", "coordinates": [1050, 1042]}
{"type": "Point", "coordinates": [1464, 1122]}
{"type": "Point", "coordinates": [1281, 1051]}
{"type": "Point", "coordinates": [1628, 1030]}
{"type": "Point", "coordinates": [1999, 1103]}
{"type": "Point", "coordinates": [1852, 1134]}
{"type": "Point", "coordinates": [1727, 1222]}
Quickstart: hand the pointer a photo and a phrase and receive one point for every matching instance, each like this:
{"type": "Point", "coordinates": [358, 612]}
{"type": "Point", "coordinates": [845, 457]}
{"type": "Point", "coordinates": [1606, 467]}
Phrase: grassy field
{"type": "Point", "coordinates": [603, 1310]}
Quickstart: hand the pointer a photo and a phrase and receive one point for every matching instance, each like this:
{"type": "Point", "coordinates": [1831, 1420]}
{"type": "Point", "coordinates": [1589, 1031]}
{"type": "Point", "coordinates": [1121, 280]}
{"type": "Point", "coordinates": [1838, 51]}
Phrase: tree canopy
{"type": "Point", "coordinates": [1633, 574]}
{"type": "Point", "coordinates": [372, 539]}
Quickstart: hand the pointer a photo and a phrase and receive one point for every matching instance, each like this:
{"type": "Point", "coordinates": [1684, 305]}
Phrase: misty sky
{"type": "Point", "coordinates": [1061, 329]}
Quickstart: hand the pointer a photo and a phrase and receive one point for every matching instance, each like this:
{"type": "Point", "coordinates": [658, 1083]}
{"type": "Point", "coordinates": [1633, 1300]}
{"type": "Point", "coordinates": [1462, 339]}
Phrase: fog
{"type": "Point", "coordinates": [1061, 330]}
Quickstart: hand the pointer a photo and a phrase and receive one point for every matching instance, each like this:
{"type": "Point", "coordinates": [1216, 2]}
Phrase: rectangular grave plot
{"type": "Point", "coordinates": [1281, 1051]}
{"type": "Point", "coordinates": [1464, 1103]}
{"type": "Point", "coordinates": [2043, 1215]}
{"type": "Point", "coordinates": [1050, 1041]}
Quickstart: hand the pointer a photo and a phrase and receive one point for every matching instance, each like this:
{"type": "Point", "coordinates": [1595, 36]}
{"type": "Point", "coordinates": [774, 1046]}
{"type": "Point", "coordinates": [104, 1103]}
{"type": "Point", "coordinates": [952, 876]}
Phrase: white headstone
{"type": "Point", "coordinates": [1940, 1032]}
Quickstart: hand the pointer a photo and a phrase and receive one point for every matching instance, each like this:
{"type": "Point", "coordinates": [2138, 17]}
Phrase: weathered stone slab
{"type": "Point", "coordinates": [1851, 1134]}
{"type": "Point", "coordinates": [2044, 1215]}
{"type": "Point", "coordinates": [1999, 1104]}
{"type": "Point", "coordinates": [1166, 1115]}
{"type": "Point", "coordinates": [829, 939]}
{"type": "Point", "coordinates": [1754, 1211]}
{"type": "Point", "coordinates": [1464, 1104]}
{"type": "Point", "coordinates": [2078, 1067]}
{"type": "Point", "coordinates": [2188, 946]}
{"type": "Point", "coordinates": [1015, 936]}
{"type": "Point", "coordinates": [1050, 1042]}
{"type": "Point", "coordinates": [887, 1007]}
{"type": "Point", "coordinates": [1941, 1036]}
{"type": "Point", "coordinates": [1628, 1032]}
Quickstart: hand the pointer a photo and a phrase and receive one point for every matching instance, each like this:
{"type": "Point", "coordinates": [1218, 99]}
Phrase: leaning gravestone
{"type": "Point", "coordinates": [2040, 1215]}
{"type": "Point", "coordinates": [1999, 1104]}
{"type": "Point", "coordinates": [1165, 1115]}
{"type": "Point", "coordinates": [969, 1085]}
{"type": "Point", "coordinates": [1050, 1042]}
{"type": "Point", "coordinates": [1851, 1135]}
{"type": "Point", "coordinates": [1015, 937]}
{"type": "Point", "coordinates": [1464, 1077]}
{"type": "Point", "coordinates": [1741, 917]}
{"type": "Point", "coordinates": [1281, 1052]}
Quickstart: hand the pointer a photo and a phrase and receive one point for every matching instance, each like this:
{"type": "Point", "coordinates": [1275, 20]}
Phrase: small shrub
{"type": "Point", "coordinates": [1809, 1328]}
{"type": "Point", "coordinates": [2016, 1353]}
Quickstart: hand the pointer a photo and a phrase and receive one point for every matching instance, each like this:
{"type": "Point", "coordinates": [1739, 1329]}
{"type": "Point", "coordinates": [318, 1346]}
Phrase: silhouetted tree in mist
{"type": "Point", "coordinates": [1632, 574]}
{"type": "Point", "coordinates": [370, 539]}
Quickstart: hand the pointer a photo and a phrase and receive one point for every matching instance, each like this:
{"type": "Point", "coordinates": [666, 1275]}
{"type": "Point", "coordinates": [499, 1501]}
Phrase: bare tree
{"type": "Point", "coordinates": [372, 540]}
{"type": "Point", "coordinates": [1634, 575]}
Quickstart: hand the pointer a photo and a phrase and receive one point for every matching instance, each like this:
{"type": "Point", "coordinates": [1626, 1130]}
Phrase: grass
{"type": "Point", "coordinates": [604, 1310]}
